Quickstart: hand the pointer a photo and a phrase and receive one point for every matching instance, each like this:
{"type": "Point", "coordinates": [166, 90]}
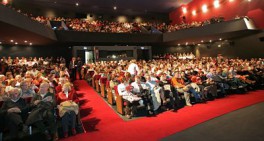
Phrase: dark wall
{"type": "Point", "coordinates": [246, 47]}
{"type": "Point", "coordinates": [14, 18]}
{"type": "Point", "coordinates": [36, 51]}
{"type": "Point", "coordinates": [156, 50]}
{"type": "Point", "coordinates": [90, 37]}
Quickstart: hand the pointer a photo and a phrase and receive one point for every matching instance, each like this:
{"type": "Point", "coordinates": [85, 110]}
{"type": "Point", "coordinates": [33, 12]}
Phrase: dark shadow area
{"type": "Point", "coordinates": [83, 101]}
{"type": "Point", "coordinates": [86, 112]}
{"type": "Point", "coordinates": [90, 124]}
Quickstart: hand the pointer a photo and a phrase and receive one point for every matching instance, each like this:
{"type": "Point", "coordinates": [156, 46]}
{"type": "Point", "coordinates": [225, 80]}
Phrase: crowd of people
{"type": "Point", "coordinates": [86, 25]}
{"type": "Point", "coordinates": [175, 56]}
{"type": "Point", "coordinates": [157, 84]}
{"type": "Point", "coordinates": [37, 92]}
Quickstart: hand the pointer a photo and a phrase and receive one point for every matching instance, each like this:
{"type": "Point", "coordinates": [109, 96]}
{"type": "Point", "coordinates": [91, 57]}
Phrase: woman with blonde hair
{"type": "Point", "coordinates": [68, 108]}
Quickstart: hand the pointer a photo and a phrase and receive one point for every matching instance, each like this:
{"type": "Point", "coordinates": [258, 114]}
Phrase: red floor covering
{"type": "Point", "coordinates": [103, 124]}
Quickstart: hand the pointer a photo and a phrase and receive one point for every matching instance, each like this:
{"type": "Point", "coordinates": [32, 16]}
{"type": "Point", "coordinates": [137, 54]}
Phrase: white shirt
{"type": "Point", "coordinates": [132, 68]}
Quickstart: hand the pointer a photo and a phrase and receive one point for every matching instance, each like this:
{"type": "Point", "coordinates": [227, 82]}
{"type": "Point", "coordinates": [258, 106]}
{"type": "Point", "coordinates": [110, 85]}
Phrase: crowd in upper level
{"type": "Point", "coordinates": [86, 25]}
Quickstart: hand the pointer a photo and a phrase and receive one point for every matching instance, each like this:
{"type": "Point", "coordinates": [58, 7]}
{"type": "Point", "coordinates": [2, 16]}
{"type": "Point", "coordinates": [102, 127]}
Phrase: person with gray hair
{"type": "Point", "coordinates": [42, 115]}
{"type": "Point", "coordinates": [16, 111]}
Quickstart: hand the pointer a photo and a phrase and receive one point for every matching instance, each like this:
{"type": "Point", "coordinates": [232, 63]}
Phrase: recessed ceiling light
{"type": "Point", "coordinates": [30, 43]}
{"type": "Point", "coordinates": [115, 7]}
{"type": "Point", "coordinates": [76, 4]}
{"type": "Point", "coordinates": [210, 41]}
{"type": "Point", "coordinates": [25, 41]}
{"type": "Point", "coordinates": [219, 45]}
{"type": "Point", "coordinates": [179, 44]}
{"type": "Point", "coordinates": [220, 39]}
{"type": "Point", "coordinates": [16, 43]}
{"type": "Point", "coordinates": [11, 41]}
{"type": "Point", "coordinates": [186, 43]}
{"type": "Point", "coordinates": [0, 42]}
{"type": "Point", "coordinates": [202, 41]}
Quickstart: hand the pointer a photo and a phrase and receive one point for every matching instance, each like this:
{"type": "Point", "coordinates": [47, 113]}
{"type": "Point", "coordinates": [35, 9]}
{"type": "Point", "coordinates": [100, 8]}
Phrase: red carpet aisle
{"type": "Point", "coordinates": [102, 123]}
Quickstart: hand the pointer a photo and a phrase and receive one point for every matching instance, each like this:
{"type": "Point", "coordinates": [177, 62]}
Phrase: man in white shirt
{"type": "Point", "coordinates": [133, 68]}
{"type": "Point", "coordinates": [124, 90]}
{"type": "Point", "coordinates": [142, 90]}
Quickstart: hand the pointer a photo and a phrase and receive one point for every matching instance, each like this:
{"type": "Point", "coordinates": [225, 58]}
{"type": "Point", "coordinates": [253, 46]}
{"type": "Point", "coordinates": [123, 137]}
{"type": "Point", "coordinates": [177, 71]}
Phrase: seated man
{"type": "Point", "coordinates": [27, 91]}
{"type": "Point", "coordinates": [179, 85]}
{"type": "Point", "coordinates": [43, 112]}
{"type": "Point", "coordinates": [125, 91]}
{"type": "Point", "coordinates": [16, 111]}
{"type": "Point", "coordinates": [141, 90]}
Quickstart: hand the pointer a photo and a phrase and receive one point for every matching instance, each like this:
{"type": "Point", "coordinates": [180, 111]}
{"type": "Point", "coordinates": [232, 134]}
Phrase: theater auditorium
{"type": "Point", "coordinates": [130, 70]}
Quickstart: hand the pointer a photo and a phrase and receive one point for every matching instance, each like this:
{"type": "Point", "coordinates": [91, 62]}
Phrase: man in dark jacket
{"type": "Point", "coordinates": [16, 111]}
{"type": "Point", "coordinates": [42, 116]}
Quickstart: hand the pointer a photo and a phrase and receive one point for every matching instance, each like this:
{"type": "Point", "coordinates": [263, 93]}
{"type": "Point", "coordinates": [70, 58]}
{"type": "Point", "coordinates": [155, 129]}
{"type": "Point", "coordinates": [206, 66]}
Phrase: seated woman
{"type": "Point", "coordinates": [68, 108]}
{"type": "Point", "coordinates": [16, 111]}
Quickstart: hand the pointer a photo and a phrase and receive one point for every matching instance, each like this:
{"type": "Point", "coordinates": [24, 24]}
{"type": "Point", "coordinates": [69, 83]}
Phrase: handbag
{"type": "Point", "coordinates": [67, 106]}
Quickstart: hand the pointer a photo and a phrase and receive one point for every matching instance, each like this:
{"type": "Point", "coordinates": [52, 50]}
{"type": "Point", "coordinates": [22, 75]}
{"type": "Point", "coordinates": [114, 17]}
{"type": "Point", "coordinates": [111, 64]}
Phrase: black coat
{"type": "Point", "coordinates": [39, 111]}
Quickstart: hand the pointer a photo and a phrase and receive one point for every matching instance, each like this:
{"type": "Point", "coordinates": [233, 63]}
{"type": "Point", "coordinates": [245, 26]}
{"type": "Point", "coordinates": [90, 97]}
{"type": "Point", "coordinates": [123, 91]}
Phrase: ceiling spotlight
{"type": "Point", "coordinates": [186, 43]}
{"type": "Point", "coordinates": [216, 4]}
{"type": "Point", "coordinates": [199, 44]}
{"type": "Point", "coordinates": [210, 41]}
{"type": "Point", "coordinates": [0, 42]}
{"type": "Point", "coordinates": [220, 39]}
{"type": "Point", "coordinates": [16, 43]}
{"type": "Point", "coordinates": [179, 44]}
{"type": "Point", "coordinates": [249, 0]}
{"type": "Point", "coordinates": [25, 41]}
{"type": "Point", "coordinates": [30, 43]}
{"type": "Point", "coordinates": [219, 45]}
{"type": "Point", "coordinates": [76, 4]}
{"type": "Point", "coordinates": [231, 0]}
{"type": "Point", "coordinates": [204, 8]}
{"type": "Point", "coordinates": [184, 10]}
{"type": "Point", "coordinates": [202, 41]}
{"type": "Point", "coordinates": [11, 41]}
{"type": "Point", "coordinates": [194, 12]}
{"type": "Point", "coordinates": [114, 7]}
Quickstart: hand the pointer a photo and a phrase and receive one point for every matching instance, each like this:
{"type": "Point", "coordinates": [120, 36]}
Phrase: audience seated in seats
{"type": "Point", "coordinates": [205, 78]}
{"type": "Point", "coordinates": [68, 108]}
{"type": "Point", "coordinates": [36, 80]}
{"type": "Point", "coordinates": [86, 25]}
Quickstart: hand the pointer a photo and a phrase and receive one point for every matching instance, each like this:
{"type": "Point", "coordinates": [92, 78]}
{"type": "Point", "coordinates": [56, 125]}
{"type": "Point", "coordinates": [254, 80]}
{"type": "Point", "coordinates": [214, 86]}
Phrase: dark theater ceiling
{"type": "Point", "coordinates": [128, 7]}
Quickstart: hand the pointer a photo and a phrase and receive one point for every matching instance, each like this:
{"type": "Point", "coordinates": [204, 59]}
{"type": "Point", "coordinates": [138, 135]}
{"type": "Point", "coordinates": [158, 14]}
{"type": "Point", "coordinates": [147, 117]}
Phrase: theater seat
{"type": "Point", "coordinates": [96, 79]}
{"type": "Point", "coordinates": [110, 98]}
{"type": "Point", "coordinates": [102, 86]}
{"type": "Point", "coordinates": [119, 102]}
